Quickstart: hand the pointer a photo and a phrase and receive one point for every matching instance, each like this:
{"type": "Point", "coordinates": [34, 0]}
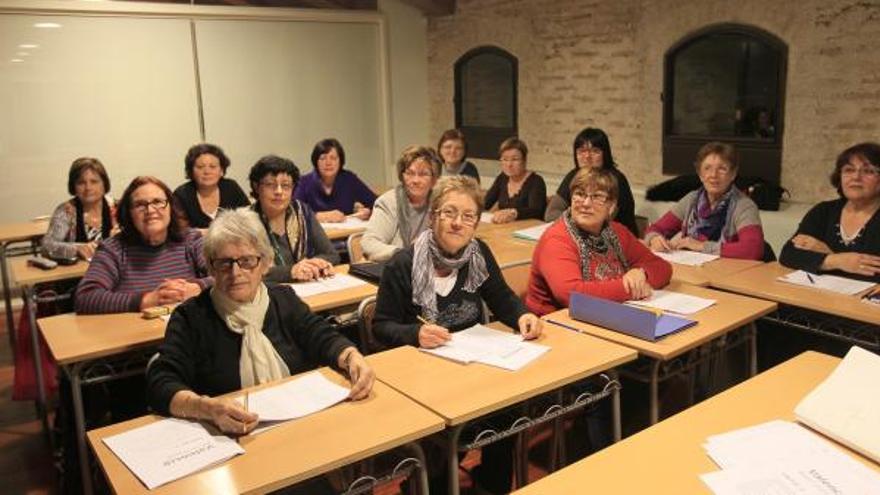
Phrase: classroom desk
{"type": "Point", "coordinates": [462, 393]}
{"type": "Point", "coordinates": [296, 451]}
{"type": "Point", "coordinates": [826, 313]}
{"type": "Point", "coordinates": [507, 249]}
{"type": "Point", "coordinates": [12, 233]}
{"type": "Point", "coordinates": [668, 457]}
{"type": "Point", "coordinates": [27, 277]}
{"type": "Point", "coordinates": [681, 352]}
{"type": "Point", "coordinates": [703, 275]}
{"type": "Point", "coordinates": [340, 234]}
{"type": "Point", "coordinates": [98, 348]}
{"type": "Point", "coordinates": [505, 229]}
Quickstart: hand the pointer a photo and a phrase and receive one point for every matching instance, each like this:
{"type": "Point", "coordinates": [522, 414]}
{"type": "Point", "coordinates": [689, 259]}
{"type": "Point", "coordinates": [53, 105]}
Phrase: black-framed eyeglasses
{"type": "Point", "coordinates": [597, 198]}
{"type": "Point", "coordinates": [248, 263]}
{"type": "Point", "coordinates": [143, 206]}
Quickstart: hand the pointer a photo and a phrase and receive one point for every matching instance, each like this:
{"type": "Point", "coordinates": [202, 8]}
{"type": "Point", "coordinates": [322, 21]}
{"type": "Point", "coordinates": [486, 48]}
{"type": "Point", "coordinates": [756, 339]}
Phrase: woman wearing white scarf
{"type": "Point", "coordinates": [242, 333]}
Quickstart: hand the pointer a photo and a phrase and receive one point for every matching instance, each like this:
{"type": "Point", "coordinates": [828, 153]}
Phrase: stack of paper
{"type": "Point", "coordinates": [780, 457]}
{"type": "Point", "coordinates": [325, 285]}
{"type": "Point", "coordinates": [166, 450]}
{"type": "Point", "coordinates": [488, 346]}
{"type": "Point", "coordinates": [486, 217]}
{"type": "Point", "coordinates": [675, 302]}
{"type": "Point", "coordinates": [840, 285]}
{"type": "Point", "coordinates": [846, 406]}
{"type": "Point", "coordinates": [349, 223]}
{"type": "Point", "coordinates": [685, 257]}
{"type": "Point", "coordinates": [532, 233]}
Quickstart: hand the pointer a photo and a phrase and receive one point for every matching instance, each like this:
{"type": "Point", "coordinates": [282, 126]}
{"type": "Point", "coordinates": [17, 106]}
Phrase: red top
{"type": "Point", "coordinates": [556, 269]}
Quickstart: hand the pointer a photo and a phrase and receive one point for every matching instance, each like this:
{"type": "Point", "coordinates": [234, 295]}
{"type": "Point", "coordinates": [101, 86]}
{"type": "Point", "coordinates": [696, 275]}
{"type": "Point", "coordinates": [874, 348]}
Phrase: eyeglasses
{"type": "Point", "coordinates": [867, 171]}
{"type": "Point", "coordinates": [273, 186]}
{"type": "Point", "coordinates": [248, 263]}
{"type": "Point", "coordinates": [584, 150]}
{"type": "Point", "coordinates": [511, 160]}
{"type": "Point", "coordinates": [143, 206]}
{"type": "Point", "coordinates": [597, 198]}
{"type": "Point", "coordinates": [468, 218]}
{"type": "Point", "coordinates": [411, 174]}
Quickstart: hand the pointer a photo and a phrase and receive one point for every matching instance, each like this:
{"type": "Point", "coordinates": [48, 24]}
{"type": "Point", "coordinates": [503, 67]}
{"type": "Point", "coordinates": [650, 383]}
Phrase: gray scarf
{"type": "Point", "coordinates": [427, 255]}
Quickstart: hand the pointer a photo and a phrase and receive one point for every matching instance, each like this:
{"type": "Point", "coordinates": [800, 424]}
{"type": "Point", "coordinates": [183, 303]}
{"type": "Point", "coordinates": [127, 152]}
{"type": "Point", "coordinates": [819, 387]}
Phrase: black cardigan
{"type": "Point", "coordinates": [231, 196]}
{"type": "Point", "coordinates": [823, 223]}
{"type": "Point", "coordinates": [626, 205]}
{"type": "Point", "coordinates": [396, 323]}
{"type": "Point", "coordinates": [201, 354]}
{"type": "Point", "coordinates": [529, 202]}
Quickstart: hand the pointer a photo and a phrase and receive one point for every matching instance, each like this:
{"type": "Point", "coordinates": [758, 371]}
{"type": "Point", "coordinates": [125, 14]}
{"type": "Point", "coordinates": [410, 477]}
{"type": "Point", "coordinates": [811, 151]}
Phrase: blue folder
{"type": "Point", "coordinates": [637, 322]}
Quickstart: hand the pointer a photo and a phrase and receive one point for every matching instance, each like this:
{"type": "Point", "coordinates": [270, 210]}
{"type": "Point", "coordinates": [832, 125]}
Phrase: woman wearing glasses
{"type": "Point", "coordinates": [153, 261]}
{"type": "Point", "coordinates": [438, 285]}
{"type": "Point", "coordinates": [301, 249]}
{"type": "Point", "coordinates": [592, 149]}
{"type": "Point", "coordinates": [718, 218]}
{"type": "Point", "coordinates": [842, 236]}
{"type": "Point", "coordinates": [242, 333]}
{"type": "Point", "coordinates": [519, 193]}
{"type": "Point", "coordinates": [586, 252]}
{"type": "Point", "coordinates": [401, 214]}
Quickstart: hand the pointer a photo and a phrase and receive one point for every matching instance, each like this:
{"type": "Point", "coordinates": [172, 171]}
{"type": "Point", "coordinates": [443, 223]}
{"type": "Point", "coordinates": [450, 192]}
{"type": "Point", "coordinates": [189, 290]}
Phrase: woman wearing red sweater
{"type": "Point", "coordinates": [586, 252]}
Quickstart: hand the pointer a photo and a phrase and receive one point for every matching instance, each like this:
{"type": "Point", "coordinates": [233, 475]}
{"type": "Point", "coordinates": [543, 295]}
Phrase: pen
{"type": "Point", "coordinates": [565, 326]}
{"type": "Point", "coordinates": [423, 320]}
{"type": "Point", "coordinates": [810, 278]}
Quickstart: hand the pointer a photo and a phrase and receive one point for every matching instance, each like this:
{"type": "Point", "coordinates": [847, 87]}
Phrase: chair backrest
{"type": "Point", "coordinates": [768, 255]}
{"type": "Point", "coordinates": [368, 342]}
{"type": "Point", "coordinates": [353, 245]}
{"type": "Point", "coordinates": [517, 277]}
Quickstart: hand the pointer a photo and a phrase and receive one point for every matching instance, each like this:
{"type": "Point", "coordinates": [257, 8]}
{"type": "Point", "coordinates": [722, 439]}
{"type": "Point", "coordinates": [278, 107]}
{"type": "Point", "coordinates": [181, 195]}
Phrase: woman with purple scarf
{"type": "Point", "coordinates": [717, 218]}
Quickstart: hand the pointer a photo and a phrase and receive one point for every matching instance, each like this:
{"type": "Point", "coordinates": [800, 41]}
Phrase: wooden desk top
{"type": "Point", "coordinates": [24, 274]}
{"type": "Point", "coordinates": [761, 282]}
{"type": "Point", "coordinates": [22, 231]}
{"type": "Point", "coordinates": [504, 229]}
{"type": "Point", "coordinates": [668, 457]}
{"type": "Point", "coordinates": [705, 274]}
{"type": "Point", "coordinates": [73, 338]}
{"type": "Point", "coordinates": [730, 311]}
{"type": "Point", "coordinates": [459, 392]}
{"type": "Point", "coordinates": [335, 234]}
{"type": "Point", "coordinates": [293, 452]}
{"type": "Point", "coordinates": [510, 250]}
{"type": "Point", "coordinates": [339, 299]}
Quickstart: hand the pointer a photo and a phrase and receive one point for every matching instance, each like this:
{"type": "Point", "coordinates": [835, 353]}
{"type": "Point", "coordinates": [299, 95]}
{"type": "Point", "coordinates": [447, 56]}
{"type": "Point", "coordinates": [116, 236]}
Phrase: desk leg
{"type": "Point", "coordinates": [615, 408]}
{"type": "Point", "coordinates": [454, 434]}
{"type": "Point", "coordinates": [417, 452]}
{"type": "Point", "coordinates": [654, 386]}
{"type": "Point", "coordinates": [30, 305]}
{"type": "Point", "coordinates": [74, 373]}
{"type": "Point", "coordinates": [752, 329]}
{"type": "Point", "coordinates": [7, 299]}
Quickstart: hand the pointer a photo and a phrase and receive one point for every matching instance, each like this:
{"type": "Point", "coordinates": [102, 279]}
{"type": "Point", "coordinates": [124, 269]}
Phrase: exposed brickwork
{"type": "Point", "coordinates": [601, 63]}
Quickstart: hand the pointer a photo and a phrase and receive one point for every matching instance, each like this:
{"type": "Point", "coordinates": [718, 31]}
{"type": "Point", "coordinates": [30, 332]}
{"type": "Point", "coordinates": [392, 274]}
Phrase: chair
{"type": "Point", "coordinates": [353, 246]}
{"type": "Point", "coordinates": [768, 255]}
{"type": "Point", "coordinates": [641, 225]}
{"type": "Point", "coordinates": [366, 311]}
{"type": "Point", "coordinates": [517, 277]}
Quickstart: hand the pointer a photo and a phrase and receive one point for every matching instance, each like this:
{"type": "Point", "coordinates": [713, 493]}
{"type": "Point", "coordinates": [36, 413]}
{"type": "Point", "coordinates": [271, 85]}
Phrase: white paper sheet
{"type": "Point", "coordinates": [846, 406]}
{"type": "Point", "coordinates": [170, 449]}
{"type": "Point", "coordinates": [349, 223]}
{"type": "Point", "coordinates": [322, 286]}
{"type": "Point", "coordinates": [685, 257]}
{"type": "Point", "coordinates": [296, 398]}
{"type": "Point", "coordinates": [489, 346]}
{"type": "Point", "coordinates": [675, 302]}
{"type": "Point", "coordinates": [486, 217]}
{"type": "Point", "coordinates": [532, 233]}
{"type": "Point", "coordinates": [778, 456]}
{"type": "Point", "coordinates": [831, 283]}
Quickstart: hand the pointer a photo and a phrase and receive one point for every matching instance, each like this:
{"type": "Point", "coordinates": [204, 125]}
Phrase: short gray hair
{"type": "Point", "coordinates": [239, 226]}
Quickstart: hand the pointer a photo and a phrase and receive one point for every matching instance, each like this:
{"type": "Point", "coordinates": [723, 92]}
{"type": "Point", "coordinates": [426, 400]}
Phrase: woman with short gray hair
{"type": "Point", "coordinates": [268, 331]}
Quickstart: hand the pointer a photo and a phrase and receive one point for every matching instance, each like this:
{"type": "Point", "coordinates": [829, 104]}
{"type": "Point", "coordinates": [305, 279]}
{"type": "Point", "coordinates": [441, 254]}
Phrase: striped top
{"type": "Point", "coordinates": [120, 273]}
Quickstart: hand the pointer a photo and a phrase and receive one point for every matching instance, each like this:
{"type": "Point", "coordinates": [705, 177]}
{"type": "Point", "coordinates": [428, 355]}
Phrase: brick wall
{"type": "Point", "coordinates": [600, 63]}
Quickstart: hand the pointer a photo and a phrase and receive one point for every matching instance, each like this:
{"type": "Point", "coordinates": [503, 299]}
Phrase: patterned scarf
{"type": "Point", "coordinates": [294, 228]}
{"type": "Point", "coordinates": [703, 222]}
{"type": "Point", "coordinates": [603, 248]}
{"type": "Point", "coordinates": [427, 255]}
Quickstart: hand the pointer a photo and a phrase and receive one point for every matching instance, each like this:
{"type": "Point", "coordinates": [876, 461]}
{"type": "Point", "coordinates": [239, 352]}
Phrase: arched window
{"type": "Point", "coordinates": [725, 83]}
{"type": "Point", "coordinates": [485, 99]}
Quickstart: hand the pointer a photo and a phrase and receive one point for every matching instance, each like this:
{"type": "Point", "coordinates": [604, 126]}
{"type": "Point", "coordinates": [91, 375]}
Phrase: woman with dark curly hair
{"type": "Point", "coordinates": [208, 190]}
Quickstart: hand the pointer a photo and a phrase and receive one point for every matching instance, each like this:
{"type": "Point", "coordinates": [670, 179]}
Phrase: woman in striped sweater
{"type": "Point", "coordinates": [153, 261]}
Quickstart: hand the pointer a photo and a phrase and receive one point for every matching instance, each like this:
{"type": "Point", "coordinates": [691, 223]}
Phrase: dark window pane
{"type": "Point", "coordinates": [487, 92]}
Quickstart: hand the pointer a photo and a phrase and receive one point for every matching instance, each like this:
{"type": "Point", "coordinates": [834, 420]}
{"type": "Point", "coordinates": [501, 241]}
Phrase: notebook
{"type": "Point", "coordinates": [636, 322]}
{"type": "Point", "coordinates": [370, 271]}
